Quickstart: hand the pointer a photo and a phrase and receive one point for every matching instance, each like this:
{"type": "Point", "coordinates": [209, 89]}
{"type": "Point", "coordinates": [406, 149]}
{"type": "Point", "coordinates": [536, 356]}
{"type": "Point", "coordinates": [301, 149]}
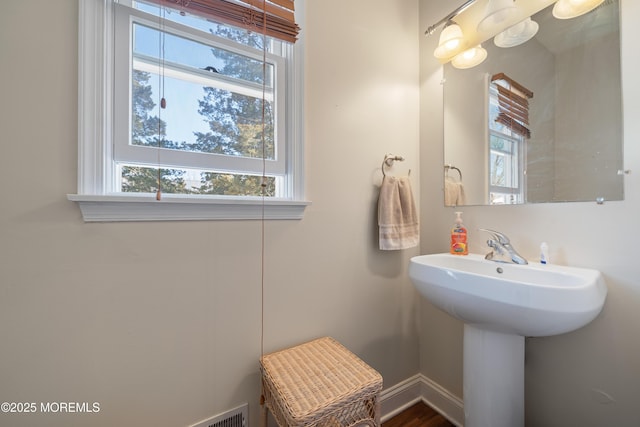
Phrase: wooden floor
{"type": "Point", "coordinates": [419, 415]}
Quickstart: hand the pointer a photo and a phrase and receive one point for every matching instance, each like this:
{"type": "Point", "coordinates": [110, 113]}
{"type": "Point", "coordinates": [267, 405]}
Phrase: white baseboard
{"type": "Point", "coordinates": [399, 397]}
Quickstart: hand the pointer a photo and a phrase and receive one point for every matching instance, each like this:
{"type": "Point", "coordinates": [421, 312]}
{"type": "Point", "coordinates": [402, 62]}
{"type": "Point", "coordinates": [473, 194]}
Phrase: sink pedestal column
{"type": "Point", "coordinates": [493, 378]}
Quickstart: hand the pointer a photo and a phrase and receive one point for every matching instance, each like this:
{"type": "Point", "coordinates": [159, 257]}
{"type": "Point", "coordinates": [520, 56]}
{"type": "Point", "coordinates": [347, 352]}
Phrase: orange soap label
{"type": "Point", "coordinates": [459, 243]}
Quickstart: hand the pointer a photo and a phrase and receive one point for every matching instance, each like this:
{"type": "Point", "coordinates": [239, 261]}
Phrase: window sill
{"type": "Point", "coordinates": [117, 208]}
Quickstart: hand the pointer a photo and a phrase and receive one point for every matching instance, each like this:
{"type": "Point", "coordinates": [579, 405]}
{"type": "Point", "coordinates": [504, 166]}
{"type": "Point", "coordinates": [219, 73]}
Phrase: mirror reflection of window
{"type": "Point", "coordinates": [509, 130]}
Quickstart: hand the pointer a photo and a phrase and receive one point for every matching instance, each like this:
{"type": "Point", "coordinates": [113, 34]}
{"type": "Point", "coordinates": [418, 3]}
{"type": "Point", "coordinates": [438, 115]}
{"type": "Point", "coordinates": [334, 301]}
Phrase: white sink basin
{"type": "Point", "coordinates": [500, 304]}
{"type": "Point", "coordinates": [527, 300]}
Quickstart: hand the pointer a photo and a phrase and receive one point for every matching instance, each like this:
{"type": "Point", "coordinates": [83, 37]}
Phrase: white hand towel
{"type": "Point", "coordinates": [453, 192]}
{"type": "Point", "coordinates": [397, 217]}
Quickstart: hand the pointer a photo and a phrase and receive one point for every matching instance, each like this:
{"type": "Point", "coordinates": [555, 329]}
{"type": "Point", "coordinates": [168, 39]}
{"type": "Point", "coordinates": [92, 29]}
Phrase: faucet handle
{"type": "Point", "coordinates": [499, 237]}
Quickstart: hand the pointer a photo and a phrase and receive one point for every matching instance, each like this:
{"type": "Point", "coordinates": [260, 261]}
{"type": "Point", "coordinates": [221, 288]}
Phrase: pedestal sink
{"type": "Point", "coordinates": [500, 304]}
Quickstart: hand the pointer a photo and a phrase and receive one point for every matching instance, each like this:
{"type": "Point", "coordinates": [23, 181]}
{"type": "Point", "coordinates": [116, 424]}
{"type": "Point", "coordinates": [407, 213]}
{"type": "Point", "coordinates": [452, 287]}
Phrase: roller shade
{"type": "Point", "coordinates": [249, 14]}
{"type": "Point", "coordinates": [513, 102]}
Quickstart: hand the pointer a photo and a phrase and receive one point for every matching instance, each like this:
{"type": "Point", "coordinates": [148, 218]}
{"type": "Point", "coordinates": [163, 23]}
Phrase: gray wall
{"type": "Point", "coordinates": [160, 322]}
{"type": "Point", "coordinates": [588, 164]}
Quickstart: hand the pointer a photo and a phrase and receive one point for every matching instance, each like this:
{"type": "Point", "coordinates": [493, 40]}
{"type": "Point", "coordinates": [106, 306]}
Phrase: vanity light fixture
{"type": "Point", "coordinates": [450, 41]}
{"type": "Point", "coordinates": [567, 9]}
{"type": "Point", "coordinates": [470, 57]}
{"type": "Point", "coordinates": [517, 34]}
{"type": "Point", "coordinates": [449, 17]}
{"type": "Point", "coordinates": [496, 14]}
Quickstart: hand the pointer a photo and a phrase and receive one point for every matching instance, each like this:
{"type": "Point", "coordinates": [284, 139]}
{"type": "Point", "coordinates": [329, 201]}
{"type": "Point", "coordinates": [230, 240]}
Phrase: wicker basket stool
{"type": "Point", "coordinates": [320, 384]}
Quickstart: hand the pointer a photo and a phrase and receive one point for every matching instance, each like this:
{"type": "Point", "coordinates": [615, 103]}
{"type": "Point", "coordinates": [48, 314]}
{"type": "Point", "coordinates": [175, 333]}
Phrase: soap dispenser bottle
{"type": "Point", "coordinates": [459, 237]}
{"type": "Point", "coordinates": [544, 253]}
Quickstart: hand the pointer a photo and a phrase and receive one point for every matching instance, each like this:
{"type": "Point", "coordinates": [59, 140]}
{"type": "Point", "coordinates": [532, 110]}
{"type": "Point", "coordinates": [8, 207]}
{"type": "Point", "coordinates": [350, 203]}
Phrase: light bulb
{"type": "Point", "coordinates": [496, 14]}
{"type": "Point", "coordinates": [567, 9]}
{"type": "Point", "coordinates": [470, 57]}
{"type": "Point", "coordinates": [517, 34]}
{"type": "Point", "coordinates": [452, 44]}
{"type": "Point", "coordinates": [450, 40]}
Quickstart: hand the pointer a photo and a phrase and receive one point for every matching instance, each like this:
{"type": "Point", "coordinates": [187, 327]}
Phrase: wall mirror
{"type": "Point", "coordinates": [573, 149]}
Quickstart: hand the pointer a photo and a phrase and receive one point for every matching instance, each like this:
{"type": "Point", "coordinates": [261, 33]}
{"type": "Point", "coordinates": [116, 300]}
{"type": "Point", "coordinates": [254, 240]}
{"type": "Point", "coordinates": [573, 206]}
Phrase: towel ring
{"type": "Point", "coordinates": [447, 167]}
{"type": "Point", "coordinates": [388, 161]}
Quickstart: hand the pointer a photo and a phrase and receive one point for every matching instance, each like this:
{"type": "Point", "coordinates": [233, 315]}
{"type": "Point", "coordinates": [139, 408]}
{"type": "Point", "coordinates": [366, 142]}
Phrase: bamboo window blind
{"type": "Point", "coordinates": [249, 14]}
{"type": "Point", "coordinates": [513, 103]}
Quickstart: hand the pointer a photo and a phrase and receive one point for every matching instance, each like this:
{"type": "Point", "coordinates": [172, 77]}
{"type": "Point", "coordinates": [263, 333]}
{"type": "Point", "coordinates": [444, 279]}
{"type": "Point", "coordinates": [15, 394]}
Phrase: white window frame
{"type": "Point", "coordinates": [515, 168]}
{"type": "Point", "coordinates": [96, 135]}
{"type": "Point", "coordinates": [517, 161]}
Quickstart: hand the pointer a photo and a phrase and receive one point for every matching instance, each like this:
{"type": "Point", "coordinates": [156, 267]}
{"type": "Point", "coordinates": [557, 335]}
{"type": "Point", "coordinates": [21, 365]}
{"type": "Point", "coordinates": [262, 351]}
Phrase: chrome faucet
{"type": "Point", "coordinates": [502, 251]}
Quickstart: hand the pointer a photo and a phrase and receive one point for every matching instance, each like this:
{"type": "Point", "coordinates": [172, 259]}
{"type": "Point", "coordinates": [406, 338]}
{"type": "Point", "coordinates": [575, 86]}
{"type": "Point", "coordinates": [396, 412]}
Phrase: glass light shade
{"type": "Point", "coordinates": [496, 13]}
{"type": "Point", "coordinates": [450, 40]}
{"type": "Point", "coordinates": [470, 57]}
{"type": "Point", "coordinates": [567, 9]}
{"type": "Point", "coordinates": [517, 34]}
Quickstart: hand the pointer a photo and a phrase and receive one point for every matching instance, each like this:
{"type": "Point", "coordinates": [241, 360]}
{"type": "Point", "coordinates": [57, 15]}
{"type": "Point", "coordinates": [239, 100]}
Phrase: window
{"type": "Point", "coordinates": [508, 132]}
{"type": "Point", "coordinates": [505, 167]}
{"type": "Point", "coordinates": [205, 152]}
